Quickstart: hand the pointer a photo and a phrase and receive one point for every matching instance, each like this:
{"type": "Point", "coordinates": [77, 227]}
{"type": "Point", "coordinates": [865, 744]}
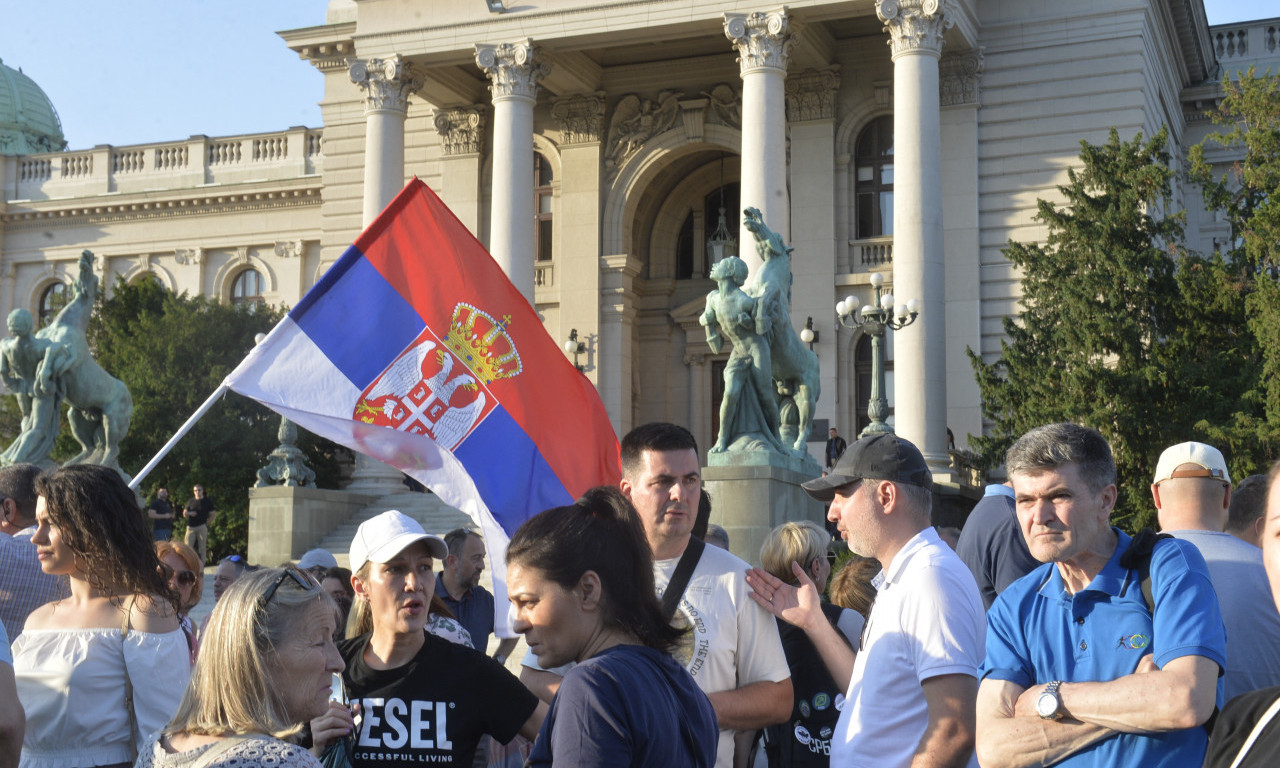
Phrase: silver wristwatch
{"type": "Point", "coordinates": [1049, 702]}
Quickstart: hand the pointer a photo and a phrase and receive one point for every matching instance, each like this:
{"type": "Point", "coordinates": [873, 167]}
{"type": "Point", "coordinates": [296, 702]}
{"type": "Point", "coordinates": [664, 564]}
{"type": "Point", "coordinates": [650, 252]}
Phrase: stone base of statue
{"type": "Point", "coordinates": [285, 520]}
{"type": "Point", "coordinates": [754, 491]}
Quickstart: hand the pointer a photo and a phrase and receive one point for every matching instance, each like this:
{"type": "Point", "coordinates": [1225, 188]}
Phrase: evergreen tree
{"type": "Point", "coordinates": [1099, 296]}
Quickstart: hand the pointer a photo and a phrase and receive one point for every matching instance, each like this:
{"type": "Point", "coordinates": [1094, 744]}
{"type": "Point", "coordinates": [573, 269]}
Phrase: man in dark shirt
{"type": "Point", "coordinates": [458, 585]}
{"type": "Point", "coordinates": [992, 544]}
{"type": "Point", "coordinates": [200, 514]}
{"type": "Point", "coordinates": [835, 448]}
{"type": "Point", "coordinates": [161, 514]}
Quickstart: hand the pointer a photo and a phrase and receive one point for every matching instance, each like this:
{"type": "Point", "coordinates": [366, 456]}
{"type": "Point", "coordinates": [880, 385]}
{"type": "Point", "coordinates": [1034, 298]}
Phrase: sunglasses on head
{"type": "Point", "coordinates": [232, 559]}
{"type": "Point", "coordinates": [831, 557]}
{"type": "Point", "coordinates": [185, 578]}
{"type": "Point", "coordinates": [304, 580]}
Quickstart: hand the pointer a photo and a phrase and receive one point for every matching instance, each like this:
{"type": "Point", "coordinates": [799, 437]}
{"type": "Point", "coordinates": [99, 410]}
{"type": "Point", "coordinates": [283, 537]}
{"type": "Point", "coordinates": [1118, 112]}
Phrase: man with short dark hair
{"type": "Point", "coordinates": [1192, 491]}
{"type": "Point", "coordinates": [991, 543]}
{"type": "Point", "coordinates": [1079, 671]}
{"type": "Point", "coordinates": [458, 586]}
{"type": "Point", "coordinates": [24, 587]}
{"type": "Point", "coordinates": [912, 683]}
{"type": "Point", "coordinates": [200, 514]}
{"type": "Point", "coordinates": [836, 446]}
{"type": "Point", "coordinates": [161, 514]}
{"type": "Point", "coordinates": [1245, 513]}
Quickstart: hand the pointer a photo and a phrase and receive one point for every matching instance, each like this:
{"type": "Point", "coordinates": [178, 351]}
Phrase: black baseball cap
{"type": "Point", "coordinates": [879, 457]}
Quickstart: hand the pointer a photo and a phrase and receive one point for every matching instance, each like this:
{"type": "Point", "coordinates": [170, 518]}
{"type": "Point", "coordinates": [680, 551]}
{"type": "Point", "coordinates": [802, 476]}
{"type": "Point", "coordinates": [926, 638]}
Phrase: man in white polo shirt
{"type": "Point", "coordinates": [914, 680]}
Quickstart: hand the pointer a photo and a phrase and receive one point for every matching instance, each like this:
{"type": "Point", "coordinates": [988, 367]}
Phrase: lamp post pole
{"type": "Point", "coordinates": [876, 320]}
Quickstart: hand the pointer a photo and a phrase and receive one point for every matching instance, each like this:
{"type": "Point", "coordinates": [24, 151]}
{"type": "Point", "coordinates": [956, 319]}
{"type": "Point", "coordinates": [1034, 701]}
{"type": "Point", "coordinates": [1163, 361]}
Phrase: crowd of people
{"type": "Point", "coordinates": [1043, 636]}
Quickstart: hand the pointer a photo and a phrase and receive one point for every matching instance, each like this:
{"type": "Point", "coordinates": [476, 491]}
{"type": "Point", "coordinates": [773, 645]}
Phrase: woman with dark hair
{"type": "Point", "coordinates": [627, 702]}
{"type": "Point", "coordinates": [102, 669]}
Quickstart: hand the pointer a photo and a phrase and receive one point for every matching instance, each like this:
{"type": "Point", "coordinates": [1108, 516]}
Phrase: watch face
{"type": "Point", "coordinates": [1047, 705]}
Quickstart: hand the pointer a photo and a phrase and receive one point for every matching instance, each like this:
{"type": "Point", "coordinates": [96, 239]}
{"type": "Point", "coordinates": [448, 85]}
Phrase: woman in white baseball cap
{"type": "Point", "coordinates": [420, 698]}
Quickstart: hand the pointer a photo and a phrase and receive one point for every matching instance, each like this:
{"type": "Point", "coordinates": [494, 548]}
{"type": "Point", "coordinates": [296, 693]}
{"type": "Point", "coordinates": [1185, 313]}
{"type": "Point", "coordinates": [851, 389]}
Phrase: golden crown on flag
{"type": "Point", "coordinates": [482, 343]}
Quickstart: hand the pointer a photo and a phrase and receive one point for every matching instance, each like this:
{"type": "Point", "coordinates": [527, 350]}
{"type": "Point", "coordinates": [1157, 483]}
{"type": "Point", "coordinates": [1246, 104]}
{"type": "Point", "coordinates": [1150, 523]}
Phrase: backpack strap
{"type": "Point", "coordinates": [680, 579]}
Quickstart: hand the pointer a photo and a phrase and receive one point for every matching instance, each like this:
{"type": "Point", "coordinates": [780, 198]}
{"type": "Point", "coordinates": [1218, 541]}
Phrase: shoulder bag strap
{"type": "Point", "coordinates": [1262, 723]}
{"type": "Point", "coordinates": [680, 579]}
{"type": "Point", "coordinates": [215, 751]}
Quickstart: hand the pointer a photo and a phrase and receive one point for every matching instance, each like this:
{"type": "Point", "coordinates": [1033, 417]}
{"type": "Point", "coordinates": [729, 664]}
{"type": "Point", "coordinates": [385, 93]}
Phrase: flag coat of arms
{"type": "Point", "coordinates": [415, 349]}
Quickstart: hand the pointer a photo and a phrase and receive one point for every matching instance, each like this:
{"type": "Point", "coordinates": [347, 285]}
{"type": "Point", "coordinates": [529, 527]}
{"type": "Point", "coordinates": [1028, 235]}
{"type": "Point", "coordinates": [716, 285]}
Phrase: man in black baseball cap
{"type": "Point", "coordinates": [913, 683]}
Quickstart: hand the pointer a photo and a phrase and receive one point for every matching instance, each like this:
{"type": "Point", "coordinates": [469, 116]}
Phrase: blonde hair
{"type": "Point", "coordinates": [192, 560]}
{"type": "Point", "coordinates": [801, 542]}
{"type": "Point", "coordinates": [851, 585]}
{"type": "Point", "coordinates": [360, 617]}
{"type": "Point", "coordinates": [232, 690]}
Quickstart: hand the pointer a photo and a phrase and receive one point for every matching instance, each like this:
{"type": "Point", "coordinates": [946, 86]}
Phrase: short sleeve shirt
{"type": "Point", "coordinates": [1038, 632]}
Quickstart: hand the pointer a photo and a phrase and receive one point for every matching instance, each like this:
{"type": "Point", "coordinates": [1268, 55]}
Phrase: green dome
{"type": "Point", "coordinates": [28, 121]}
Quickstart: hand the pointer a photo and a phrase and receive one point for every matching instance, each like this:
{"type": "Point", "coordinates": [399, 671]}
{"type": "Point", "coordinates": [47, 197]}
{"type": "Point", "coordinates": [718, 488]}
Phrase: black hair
{"type": "Point", "coordinates": [456, 539]}
{"type": "Point", "coordinates": [600, 532]}
{"type": "Point", "coordinates": [18, 482]}
{"type": "Point", "coordinates": [654, 436]}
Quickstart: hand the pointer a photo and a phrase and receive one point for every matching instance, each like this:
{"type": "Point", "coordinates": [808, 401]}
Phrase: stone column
{"type": "Point", "coordinates": [920, 388]}
{"type": "Point", "coordinates": [764, 44]}
{"type": "Point", "coordinates": [513, 70]}
{"type": "Point", "coordinates": [461, 141]}
{"type": "Point", "coordinates": [387, 84]}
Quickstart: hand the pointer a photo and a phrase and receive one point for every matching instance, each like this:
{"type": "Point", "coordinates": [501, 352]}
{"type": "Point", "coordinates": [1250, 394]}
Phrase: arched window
{"type": "Point", "coordinates": [247, 288]}
{"type": "Point", "coordinates": [542, 178]}
{"type": "Point", "coordinates": [52, 300]}
{"type": "Point", "coordinates": [873, 159]}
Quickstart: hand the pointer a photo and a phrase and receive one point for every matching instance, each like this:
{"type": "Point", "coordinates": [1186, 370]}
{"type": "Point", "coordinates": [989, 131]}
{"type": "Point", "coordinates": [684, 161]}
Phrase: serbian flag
{"type": "Point", "coordinates": [415, 349]}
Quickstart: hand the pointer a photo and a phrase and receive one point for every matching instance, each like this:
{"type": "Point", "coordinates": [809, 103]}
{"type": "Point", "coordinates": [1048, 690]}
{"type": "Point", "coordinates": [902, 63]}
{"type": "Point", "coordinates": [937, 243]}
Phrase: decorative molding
{"type": "Point", "coordinates": [726, 105]}
{"type": "Point", "coordinates": [811, 95]}
{"type": "Point", "coordinates": [386, 83]}
{"type": "Point", "coordinates": [580, 118]}
{"type": "Point", "coordinates": [242, 256]}
{"type": "Point", "coordinates": [958, 77]}
{"type": "Point", "coordinates": [763, 39]}
{"type": "Point", "coordinates": [189, 256]}
{"type": "Point", "coordinates": [513, 69]}
{"type": "Point", "coordinates": [693, 360]}
{"type": "Point", "coordinates": [287, 249]}
{"type": "Point", "coordinates": [914, 26]}
{"type": "Point", "coordinates": [635, 121]}
{"type": "Point", "coordinates": [198, 205]}
{"type": "Point", "coordinates": [144, 261]}
{"type": "Point", "coordinates": [461, 130]}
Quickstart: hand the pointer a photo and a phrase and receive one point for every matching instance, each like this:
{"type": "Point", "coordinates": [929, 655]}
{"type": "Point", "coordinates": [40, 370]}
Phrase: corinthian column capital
{"type": "Point", "coordinates": [513, 69]}
{"type": "Point", "coordinates": [763, 39]}
{"type": "Point", "coordinates": [914, 26]}
{"type": "Point", "coordinates": [386, 83]}
{"type": "Point", "coordinates": [461, 130]}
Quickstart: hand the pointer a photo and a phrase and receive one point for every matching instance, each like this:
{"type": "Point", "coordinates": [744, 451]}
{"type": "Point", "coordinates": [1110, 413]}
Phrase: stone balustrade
{"type": "Point", "coordinates": [198, 161]}
{"type": "Point", "coordinates": [872, 254]}
{"type": "Point", "coordinates": [1238, 45]}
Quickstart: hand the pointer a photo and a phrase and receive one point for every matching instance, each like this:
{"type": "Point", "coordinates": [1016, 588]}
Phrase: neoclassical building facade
{"type": "Point", "coordinates": [593, 145]}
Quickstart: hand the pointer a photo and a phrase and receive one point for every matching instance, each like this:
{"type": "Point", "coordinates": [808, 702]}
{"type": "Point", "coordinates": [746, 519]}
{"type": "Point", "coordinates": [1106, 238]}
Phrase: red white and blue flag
{"type": "Point", "coordinates": [415, 349]}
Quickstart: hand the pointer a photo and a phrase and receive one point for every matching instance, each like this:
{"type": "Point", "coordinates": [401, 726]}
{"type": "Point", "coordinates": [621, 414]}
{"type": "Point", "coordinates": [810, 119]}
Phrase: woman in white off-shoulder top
{"type": "Point", "coordinates": [102, 669]}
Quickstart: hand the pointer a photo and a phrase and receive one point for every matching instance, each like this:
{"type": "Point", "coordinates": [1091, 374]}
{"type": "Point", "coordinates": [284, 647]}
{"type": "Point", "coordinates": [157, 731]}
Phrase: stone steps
{"type": "Point", "coordinates": [427, 508]}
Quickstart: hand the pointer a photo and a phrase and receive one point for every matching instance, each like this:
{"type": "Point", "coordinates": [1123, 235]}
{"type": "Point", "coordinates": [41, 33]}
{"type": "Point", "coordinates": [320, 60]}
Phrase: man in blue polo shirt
{"type": "Point", "coordinates": [1078, 671]}
{"type": "Point", "coordinates": [458, 585]}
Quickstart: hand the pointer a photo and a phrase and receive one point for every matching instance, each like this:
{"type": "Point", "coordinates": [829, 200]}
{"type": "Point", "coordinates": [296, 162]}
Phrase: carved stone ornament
{"type": "Point", "coordinates": [726, 105]}
{"type": "Point", "coordinates": [386, 83]}
{"type": "Point", "coordinates": [461, 130]}
{"type": "Point", "coordinates": [188, 256]}
{"type": "Point", "coordinates": [763, 39]}
{"type": "Point", "coordinates": [811, 95]}
{"type": "Point", "coordinates": [580, 118]}
{"type": "Point", "coordinates": [513, 69]}
{"type": "Point", "coordinates": [914, 26]}
{"type": "Point", "coordinates": [958, 78]}
{"type": "Point", "coordinates": [635, 121]}
{"type": "Point", "coordinates": [287, 249]}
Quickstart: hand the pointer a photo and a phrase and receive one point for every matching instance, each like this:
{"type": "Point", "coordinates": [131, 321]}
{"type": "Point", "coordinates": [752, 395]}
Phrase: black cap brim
{"type": "Point", "coordinates": [824, 488]}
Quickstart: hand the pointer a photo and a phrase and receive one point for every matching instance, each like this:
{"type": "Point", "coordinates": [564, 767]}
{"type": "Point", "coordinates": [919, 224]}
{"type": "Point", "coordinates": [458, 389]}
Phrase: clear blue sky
{"type": "Point", "coordinates": [161, 70]}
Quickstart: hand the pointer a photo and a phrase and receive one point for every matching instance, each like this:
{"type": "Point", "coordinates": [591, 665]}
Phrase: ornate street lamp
{"type": "Point", "coordinates": [874, 320]}
{"type": "Point", "coordinates": [721, 243]}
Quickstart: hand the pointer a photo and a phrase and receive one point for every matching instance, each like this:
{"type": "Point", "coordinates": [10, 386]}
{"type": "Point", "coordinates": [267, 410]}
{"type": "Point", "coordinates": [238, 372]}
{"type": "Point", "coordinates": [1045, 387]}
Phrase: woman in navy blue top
{"type": "Point", "coordinates": [581, 581]}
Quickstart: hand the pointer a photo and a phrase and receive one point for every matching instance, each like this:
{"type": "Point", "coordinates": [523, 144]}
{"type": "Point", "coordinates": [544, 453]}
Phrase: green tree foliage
{"type": "Point", "coordinates": [173, 351]}
{"type": "Point", "coordinates": [1249, 196]}
{"type": "Point", "coordinates": [1099, 296]}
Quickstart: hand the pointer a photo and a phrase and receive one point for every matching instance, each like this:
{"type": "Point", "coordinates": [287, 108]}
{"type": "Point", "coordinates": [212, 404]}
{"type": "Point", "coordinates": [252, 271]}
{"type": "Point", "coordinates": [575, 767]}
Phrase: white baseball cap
{"type": "Point", "coordinates": [317, 558]}
{"type": "Point", "coordinates": [381, 538]}
{"type": "Point", "coordinates": [1208, 458]}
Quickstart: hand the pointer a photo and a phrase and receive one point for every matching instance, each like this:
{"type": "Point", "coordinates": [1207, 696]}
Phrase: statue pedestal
{"type": "Point", "coordinates": [285, 521]}
{"type": "Point", "coordinates": [753, 492]}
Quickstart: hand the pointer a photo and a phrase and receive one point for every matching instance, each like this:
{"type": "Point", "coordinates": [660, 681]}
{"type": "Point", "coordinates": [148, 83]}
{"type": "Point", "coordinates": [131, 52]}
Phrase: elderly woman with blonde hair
{"type": "Point", "coordinates": [266, 667]}
{"type": "Point", "coordinates": [789, 550]}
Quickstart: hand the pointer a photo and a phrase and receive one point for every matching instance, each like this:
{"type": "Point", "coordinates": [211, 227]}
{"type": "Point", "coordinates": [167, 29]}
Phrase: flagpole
{"type": "Point", "coordinates": [191, 422]}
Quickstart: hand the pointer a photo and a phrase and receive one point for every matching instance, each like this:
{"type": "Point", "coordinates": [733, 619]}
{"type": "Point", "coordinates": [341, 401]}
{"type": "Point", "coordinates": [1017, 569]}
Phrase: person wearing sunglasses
{"type": "Point", "coordinates": [799, 741]}
{"type": "Point", "coordinates": [265, 669]}
{"type": "Point", "coordinates": [186, 577]}
{"type": "Point", "coordinates": [99, 670]}
{"type": "Point", "coordinates": [406, 681]}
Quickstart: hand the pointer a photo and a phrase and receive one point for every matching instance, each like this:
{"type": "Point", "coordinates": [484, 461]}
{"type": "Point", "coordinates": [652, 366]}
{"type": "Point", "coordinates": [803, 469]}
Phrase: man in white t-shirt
{"type": "Point", "coordinates": [733, 650]}
{"type": "Point", "coordinates": [914, 680]}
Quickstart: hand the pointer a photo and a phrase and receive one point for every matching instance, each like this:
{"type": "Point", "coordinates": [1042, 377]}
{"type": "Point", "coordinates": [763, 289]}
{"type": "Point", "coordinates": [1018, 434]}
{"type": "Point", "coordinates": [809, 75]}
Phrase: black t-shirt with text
{"type": "Point", "coordinates": [433, 710]}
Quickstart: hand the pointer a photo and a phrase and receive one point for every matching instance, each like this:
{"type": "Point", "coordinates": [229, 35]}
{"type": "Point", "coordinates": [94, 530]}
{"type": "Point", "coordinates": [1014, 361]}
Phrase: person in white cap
{"type": "Point", "coordinates": [317, 561]}
{"type": "Point", "coordinates": [421, 699]}
{"type": "Point", "coordinates": [1192, 494]}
